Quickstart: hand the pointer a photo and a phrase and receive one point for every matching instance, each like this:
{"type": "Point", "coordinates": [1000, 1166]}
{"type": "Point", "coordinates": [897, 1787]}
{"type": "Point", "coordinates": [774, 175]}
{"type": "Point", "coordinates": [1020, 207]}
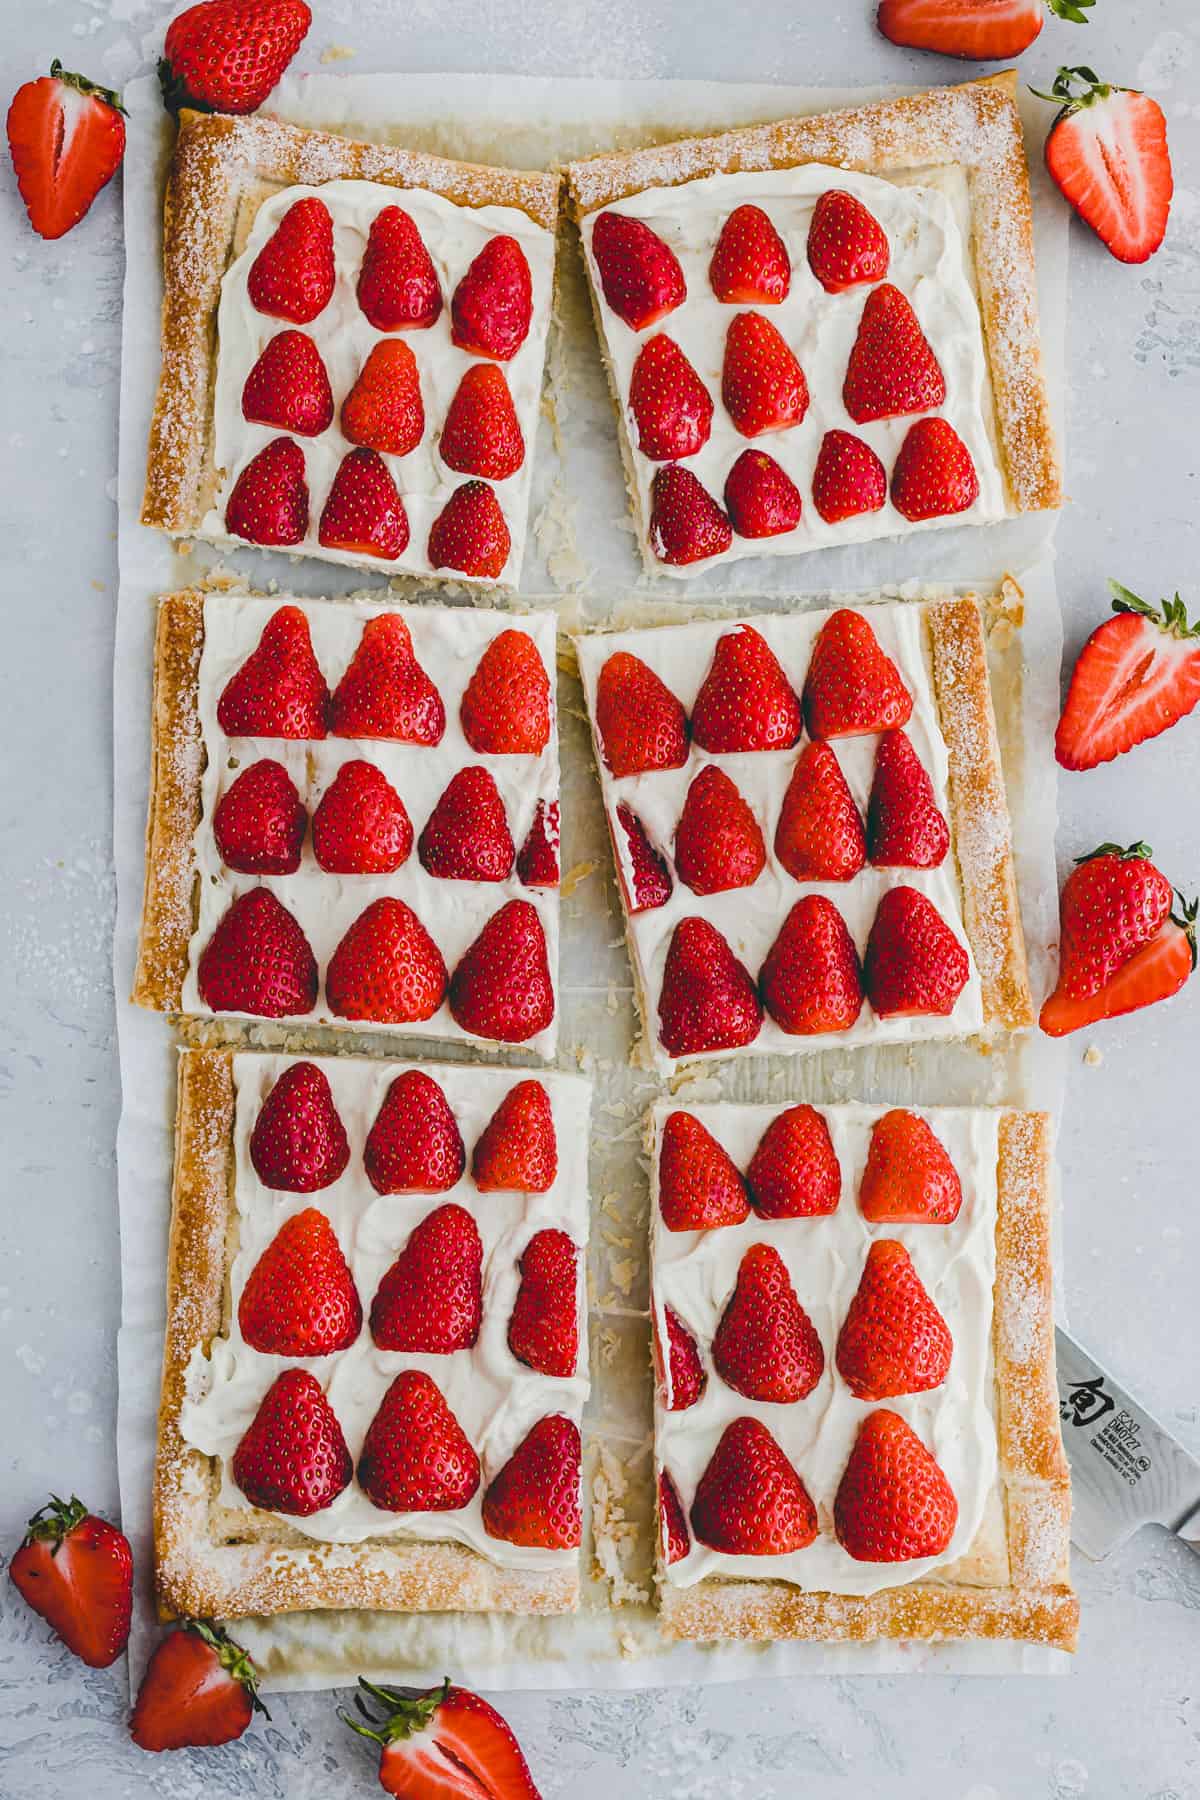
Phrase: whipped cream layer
{"type": "Point", "coordinates": [694, 1274]}
{"type": "Point", "coordinates": [750, 918]}
{"type": "Point", "coordinates": [448, 643]}
{"type": "Point", "coordinates": [926, 217]}
{"type": "Point", "coordinates": [453, 235]}
{"type": "Point", "coordinates": [495, 1398]}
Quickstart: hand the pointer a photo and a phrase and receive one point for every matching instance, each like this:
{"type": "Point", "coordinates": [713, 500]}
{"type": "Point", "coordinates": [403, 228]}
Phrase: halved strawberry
{"type": "Point", "coordinates": [492, 307]}
{"type": "Point", "coordinates": [502, 987]}
{"type": "Point", "coordinates": [766, 1346]}
{"type": "Point", "coordinates": [762, 383]}
{"type": "Point", "coordinates": [914, 964]}
{"type": "Point", "coordinates": [852, 687]}
{"type": "Point", "coordinates": [686, 524]}
{"type": "Point", "coordinates": [293, 275]}
{"type": "Point", "coordinates": [906, 829]}
{"type": "Point", "coordinates": [933, 475]}
{"type": "Point", "coordinates": [288, 387]}
{"type": "Point", "coordinates": [794, 1172]}
{"type": "Point", "coordinates": [361, 826]}
{"type": "Point", "coordinates": [300, 1298]}
{"type": "Point", "coordinates": [847, 245]}
{"type": "Point", "coordinates": [1155, 972]}
{"type": "Point", "coordinates": [258, 961]}
{"type": "Point", "coordinates": [674, 1539]}
{"type": "Point", "coordinates": [681, 1376]}
{"type": "Point", "coordinates": [745, 701]}
{"type": "Point", "coordinates": [1137, 675]}
{"type": "Point", "coordinates": [260, 821]}
{"type": "Point", "coordinates": [200, 1688]}
{"type": "Point", "coordinates": [819, 835]}
{"type": "Point", "coordinates": [445, 1744]}
{"type": "Point", "coordinates": [466, 836]}
{"type": "Point", "coordinates": [537, 859]}
{"type": "Point", "coordinates": [293, 1458]}
{"type": "Point", "coordinates": [543, 1332]}
{"type": "Point", "coordinates": [647, 883]}
{"type": "Point", "coordinates": [482, 434]}
{"type": "Point", "coordinates": [387, 970]}
{"type": "Point", "coordinates": [384, 410]}
{"type": "Point", "coordinates": [364, 513]}
{"type": "Point", "coordinates": [534, 1499]}
{"type": "Point", "coordinates": [848, 479]}
{"type": "Point", "coordinates": [414, 1145]}
{"type": "Point", "coordinates": [810, 980]}
{"type": "Point", "coordinates": [517, 1149]}
{"type": "Point", "coordinates": [909, 1178]}
{"type": "Point", "coordinates": [385, 693]}
{"type": "Point", "coordinates": [226, 55]}
{"type": "Point", "coordinates": [268, 503]}
{"type": "Point", "coordinates": [672, 409]}
{"type": "Point", "coordinates": [708, 1000]}
{"type": "Point", "coordinates": [750, 264]}
{"type": "Point", "coordinates": [762, 499]}
{"type": "Point", "coordinates": [718, 841]}
{"type": "Point", "coordinates": [640, 723]}
{"type": "Point", "coordinates": [397, 284]}
{"type": "Point", "coordinates": [279, 691]}
{"type": "Point", "coordinates": [416, 1457]}
{"type": "Point", "coordinates": [892, 368]}
{"type": "Point", "coordinates": [470, 533]}
{"type": "Point", "coordinates": [66, 137]}
{"type": "Point", "coordinates": [982, 30]}
{"type": "Point", "coordinates": [1107, 150]}
{"type": "Point", "coordinates": [893, 1503]}
{"type": "Point", "coordinates": [750, 1501]}
{"type": "Point", "coordinates": [430, 1302]}
{"type": "Point", "coordinates": [893, 1339]}
{"type": "Point", "coordinates": [76, 1571]}
{"type": "Point", "coordinates": [299, 1144]}
{"type": "Point", "coordinates": [640, 275]}
{"type": "Point", "coordinates": [699, 1187]}
{"type": "Point", "coordinates": [506, 707]}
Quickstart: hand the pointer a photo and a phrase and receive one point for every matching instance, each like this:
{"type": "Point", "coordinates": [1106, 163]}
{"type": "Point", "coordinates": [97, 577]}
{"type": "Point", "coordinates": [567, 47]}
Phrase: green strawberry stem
{"type": "Point", "coordinates": [1185, 918]}
{"type": "Point", "coordinates": [1073, 11]}
{"type": "Point", "coordinates": [407, 1711]}
{"type": "Point", "coordinates": [52, 1523]}
{"type": "Point", "coordinates": [1140, 851]}
{"type": "Point", "coordinates": [232, 1658]}
{"type": "Point", "coordinates": [1094, 90]}
{"type": "Point", "coordinates": [81, 83]}
{"type": "Point", "coordinates": [1172, 617]}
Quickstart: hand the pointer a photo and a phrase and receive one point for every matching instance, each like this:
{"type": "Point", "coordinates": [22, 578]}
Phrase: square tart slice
{"type": "Point", "coordinates": [353, 342]}
{"type": "Point", "coordinates": [856, 1417]}
{"type": "Point", "coordinates": [376, 1347]}
{"type": "Point", "coordinates": [810, 828]}
{"type": "Point", "coordinates": [353, 818]}
{"type": "Point", "coordinates": [822, 330]}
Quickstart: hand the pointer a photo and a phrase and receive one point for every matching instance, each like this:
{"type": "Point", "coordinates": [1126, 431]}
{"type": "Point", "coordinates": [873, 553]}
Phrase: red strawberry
{"type": "Point", "coordinates": [361, 826]}
{"type": "Point", "coordinates": [914, 963]}
{"type": "Point", "coordinates": [893, 1503]}
{"type": "Point", "coordinates": [640, 723]}
{"type": "Point", "coordinates": [502, 987]}
{"type": "Point", "coordinates": [1137, 675]}
{"type": "Point", "coordinates": [66, 137]}
{"type": "Point", "coordinates": [387, 970]}
{"type": "Point", "coordinates": [492, 308]}
{"type": "Point", "coordinates": [300, 1298]}
{"type": "Point", "coordinates": [466, 836]}
{"type": "Point", "coordinates": [750, 1501]}
{"type": "Point", "coordinates": [672, 409]}
{"type": "Point", "coordinates": [1155, 972]}
{"type": "Point", "coordinates": [385, 693]}
{"type": "Point", "coordinates": [852, 688]}
{"type": "Point", "coordinates": [762, 500]}
{"type": "Point", "coordinates": [909, 1179]}
{"type": "Point", "coordinates": [384, 410]}
{"type": "Point", "coordinates": [226, 55]}
{"type": "Point", "coordinates": [416, 1457]}
{"type": "Point", "coordinates": [810, 980]}
{"type": "Point", "coordinates": [933, 475]}
{"type": "Point", "coordinates": [762, 384]}
{"type": "Point", "coordinates": [76, 1571]}
{"type": "Point", "coordinates": [819, 836]}
{"type": "Point", "coordinates": [673, 1531]}
{"type": "Point", "coordinates": [506, 707]}
{"type": "Point", "coordinates": [199, 1689]}
{"type": "Point", "coordinates": [279, 691]}
{"type": "Point", "coordinates": [750, 264]}
{"type": "Point", "coordinates": [718, 843]}
{"type": "Point", "coordinates": [482, 434]}
{"type": "Point", "coordinates": [293, 1459]}
{"type": "Point", "coordinates": [446, 1744]}
{"type": "Point", "coordinates": [892, 368]}
{"type": "Point", "coordinates": [364, 513]}
{"type": "Point", "coordinates": [847, 246]}
{"type": "Point", "coordinates": [1112, 904]}
{"type": "Point", "coordinates": [766, 1347]}
{"type": "Point", "coordinates": [397, 284]}
{"type": "Point", "coordinates": [288, 387]}
{"type": "Point", "coordinates": [983, 30]}
{"type": "Point", "coordinates": [299, 1144]}
{"type": "Point", "coordinates": [893, 1339]}
{"type": "Point", "coordinates": [430, 1302]}
{"type": "Point", "coordinates": [260, 821]}
{"type": "Point", "coordinates": [292, 277]}
{"type": "Point", "coordinates": [518, 1148]}
{"type": "Point", "coordinates": [640, 275]}
{"type": "Point", "coordinates": [647, 883]}
{"type": "Point", "coordinates": [681, 1376]}
{"type": "Point", "coordinates": [794, 1172]}
{"type": "Point", "coordinates": [269, 500]}
{"type": "Point", "coordinates": [543, 1331]}
{"type": "Point", "coordinates": [848, 479]}
{"type": "Point", "coordinates": [537, 859]}
{"type": "Point", "coordinates": [708, 1000]}
{"type": "Point", "coordinates": [470, 534]}
{"type": "Point", "coordinates": [699, 1187]}
{"type": "Point", "coordinates": [1107, 150]}
{"type": "Point", "coordinates": [906, 828]}
{"type": "Point", "coordinates": [686, 524]}
{"type": "Point", "coordinates": [414, 1145]}
{"type": "Point", "coordinates": [258, 961]}
{"type": "Point", "coordinates": [534, 1499]}
{"type": "Point", "coordinates": [746, 701]}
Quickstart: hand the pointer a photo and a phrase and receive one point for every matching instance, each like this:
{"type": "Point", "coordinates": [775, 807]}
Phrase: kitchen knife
{"type": "Point", "coordinates": [1126, 1469]}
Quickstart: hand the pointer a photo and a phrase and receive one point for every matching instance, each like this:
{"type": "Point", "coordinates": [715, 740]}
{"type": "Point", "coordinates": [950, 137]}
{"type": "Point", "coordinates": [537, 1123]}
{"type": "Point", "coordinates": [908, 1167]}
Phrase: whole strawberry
{"type": "Point", "coordinates": [76, 1570]}
{"type": "Point", "coordinates": [66, 137]}
{"type": "Point", "coordinates": [416, 1456]}
{"type": "Point", "coordinates": [227, 55]}
{"type": "Point", "coordinates": [534, 1499]}
{"type": "Point", "coordinates": [766, 1346]}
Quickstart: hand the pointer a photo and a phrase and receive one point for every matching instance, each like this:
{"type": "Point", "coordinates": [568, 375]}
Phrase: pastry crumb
{"type": "Point", "coordinates": [335, 53]}
{"type": "Point", "coordinates": [1093, 1056]}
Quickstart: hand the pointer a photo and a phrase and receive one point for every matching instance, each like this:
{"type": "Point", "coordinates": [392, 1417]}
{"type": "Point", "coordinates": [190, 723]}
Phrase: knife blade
{"type": "Point", "coordinates": [1127, 1470]}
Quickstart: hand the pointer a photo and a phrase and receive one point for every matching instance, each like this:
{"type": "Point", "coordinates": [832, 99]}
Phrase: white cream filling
{"type": "Point", "coordinates": [448, 643]}
{"type": "Point", "coordinates": [927, 220]}
{"type": "Point", "coordinates": [495, 1398]}
{"type": "Point", "coordinates": [750, 918]}
{"type": "Point", "coordinates": [694, 1273]}
{"type": "Point", "coordinates": [453, 236]}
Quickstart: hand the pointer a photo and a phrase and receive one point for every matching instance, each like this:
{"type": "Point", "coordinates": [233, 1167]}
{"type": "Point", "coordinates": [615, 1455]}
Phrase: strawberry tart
{"type": "Point", "coordinates": [856, 1417]}
{"type": "Point", "coordinates": [376, 1344]}
{"type": "Point", "coordinates": [810, 828]}
{"type": "Point", "coordinates": [822, 330]}
{"type": "Point", "coordinates": [354, 818]}
{"type": "Point", "coordinates": [353, 344]}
